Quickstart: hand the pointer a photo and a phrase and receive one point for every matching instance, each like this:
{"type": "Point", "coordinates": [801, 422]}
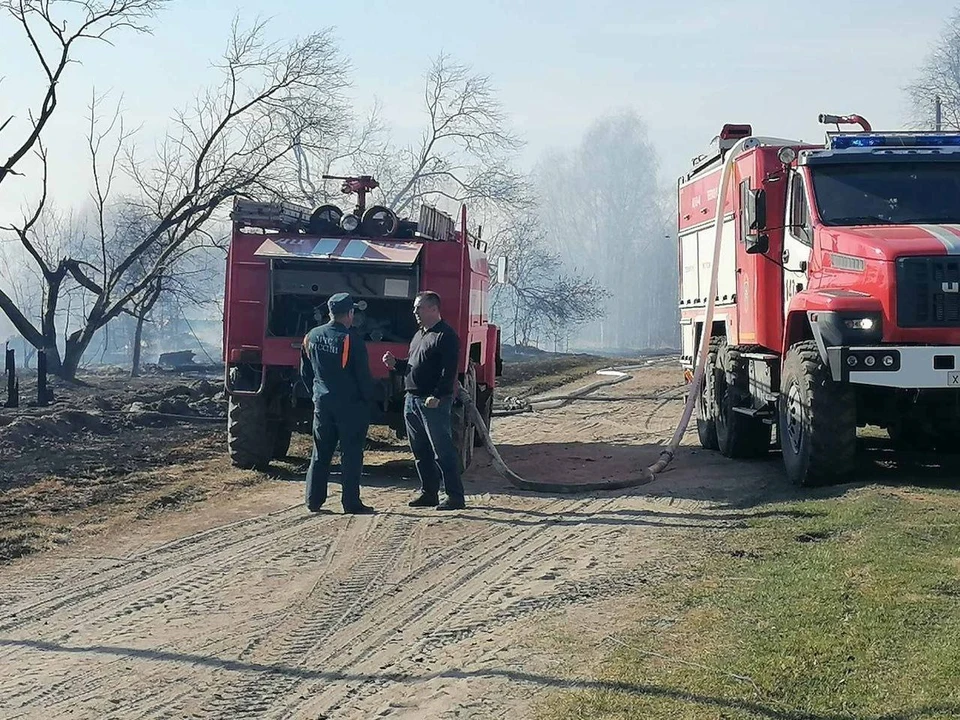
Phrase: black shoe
{"type": "Point", "coordinates": [424, 500]}
{"type": "Point", "coordinates": [315, 509]}
{"type": "Point", "coordinates": [360, 509]}
{"type": "Point", "coordinates": [452, 504]}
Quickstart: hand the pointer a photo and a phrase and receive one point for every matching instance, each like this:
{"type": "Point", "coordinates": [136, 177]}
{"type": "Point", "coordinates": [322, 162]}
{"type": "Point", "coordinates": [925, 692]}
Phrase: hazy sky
{"type": "Point", "coordinates": [686, 67]}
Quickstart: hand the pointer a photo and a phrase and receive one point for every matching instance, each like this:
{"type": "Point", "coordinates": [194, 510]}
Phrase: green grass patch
{"type": "Point", "coordinates": [843, 609]}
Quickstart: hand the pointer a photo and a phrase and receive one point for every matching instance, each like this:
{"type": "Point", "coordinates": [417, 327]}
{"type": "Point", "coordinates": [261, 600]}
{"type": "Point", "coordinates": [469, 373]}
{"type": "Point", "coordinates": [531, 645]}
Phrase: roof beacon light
{"type": "Point", "coordinates": [892, 140]}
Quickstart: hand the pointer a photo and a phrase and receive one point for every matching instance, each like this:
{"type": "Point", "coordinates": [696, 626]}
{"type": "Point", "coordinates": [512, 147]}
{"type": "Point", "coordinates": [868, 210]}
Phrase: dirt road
{"type": "Point", "coordinates": [248, 607]}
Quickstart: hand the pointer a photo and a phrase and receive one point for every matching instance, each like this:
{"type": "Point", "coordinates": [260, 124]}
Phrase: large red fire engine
{"type": "Point", "coordinates": [838, 293]}
{"type": "Point", "coordinates": [284, 262]}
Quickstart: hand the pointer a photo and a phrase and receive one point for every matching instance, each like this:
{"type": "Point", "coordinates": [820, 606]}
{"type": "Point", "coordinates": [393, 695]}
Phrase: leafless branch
{"type": "Point", "coordinates": [939, 76]}
{"type": "Point", "coordinates": [466, 141]}
{"type": "Point", "coordinates": [92, 20]}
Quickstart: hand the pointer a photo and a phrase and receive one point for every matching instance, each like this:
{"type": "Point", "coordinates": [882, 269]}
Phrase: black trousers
{"type": "Point", "coordinates": [431, 441]}
{"type": "Point", "coordinates": [335, 423]}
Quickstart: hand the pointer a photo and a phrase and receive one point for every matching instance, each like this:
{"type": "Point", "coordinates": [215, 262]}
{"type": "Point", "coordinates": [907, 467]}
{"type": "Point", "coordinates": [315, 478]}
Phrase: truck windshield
{"type": "Point", "coordinates": [896, 193]}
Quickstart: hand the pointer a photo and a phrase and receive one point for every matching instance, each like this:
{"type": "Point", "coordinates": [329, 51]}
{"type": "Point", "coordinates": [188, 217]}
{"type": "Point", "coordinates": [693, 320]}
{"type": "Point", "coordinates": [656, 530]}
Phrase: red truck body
{"type": "Point", "coordinates": [280, 272]}
{"type": "Point", "coordinates": [844, 257]}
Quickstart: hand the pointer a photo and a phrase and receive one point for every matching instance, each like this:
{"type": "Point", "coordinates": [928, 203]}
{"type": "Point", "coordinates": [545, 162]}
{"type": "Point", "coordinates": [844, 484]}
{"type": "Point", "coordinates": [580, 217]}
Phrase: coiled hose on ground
{"type": "Point", "coordinates": [614, 376]}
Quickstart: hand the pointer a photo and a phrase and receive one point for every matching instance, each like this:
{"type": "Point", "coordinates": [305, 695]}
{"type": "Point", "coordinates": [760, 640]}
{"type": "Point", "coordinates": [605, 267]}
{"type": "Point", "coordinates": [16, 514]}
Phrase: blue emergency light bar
{"type": "Point", "coordinates": [891, 140]}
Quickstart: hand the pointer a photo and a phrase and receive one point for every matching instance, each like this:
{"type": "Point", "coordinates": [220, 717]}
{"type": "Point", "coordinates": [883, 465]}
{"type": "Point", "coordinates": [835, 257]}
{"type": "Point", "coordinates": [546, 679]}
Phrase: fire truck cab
{"type": "Point", "coordinates": [838, 294]}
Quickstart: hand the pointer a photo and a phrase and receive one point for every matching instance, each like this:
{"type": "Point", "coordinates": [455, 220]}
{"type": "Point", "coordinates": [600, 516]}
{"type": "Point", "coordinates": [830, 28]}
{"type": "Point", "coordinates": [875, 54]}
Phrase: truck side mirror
{"type": "Point", "coordinates": [760, 210]}
{"type": "Point", "coordinates": [757, 244]}
{"type": "Point", "coordinates": [753, 219]}
{"type": "Point", "coordinates": [754, 211]}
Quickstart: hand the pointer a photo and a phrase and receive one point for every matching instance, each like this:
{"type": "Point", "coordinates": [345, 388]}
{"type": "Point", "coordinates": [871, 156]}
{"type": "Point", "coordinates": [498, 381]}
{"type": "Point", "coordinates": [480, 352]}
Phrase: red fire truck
{"type": "Point", "coordinates": [284, 262]}
{"type": "Point", "coordinates": [838, 293]}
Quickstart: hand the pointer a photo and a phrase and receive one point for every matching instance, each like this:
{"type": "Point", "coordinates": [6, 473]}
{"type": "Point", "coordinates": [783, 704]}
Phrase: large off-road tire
{"type": "Point", "coordinates": [485, 406]}
{"type": "Point", "coordinates": [706, 406]}
{"type": "Point", "coordinates": [250, 438]}
{"type": "Point", "coordinates": [818, 420]}
{"type": "Point", "coordinates": [738, 435]}
{"type": "Point", "coordinates": [463, 429]}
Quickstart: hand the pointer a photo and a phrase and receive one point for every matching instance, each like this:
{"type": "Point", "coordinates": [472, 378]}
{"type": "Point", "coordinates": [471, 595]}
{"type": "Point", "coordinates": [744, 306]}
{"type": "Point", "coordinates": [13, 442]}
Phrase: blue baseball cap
{"type": "Point", "coordinates": [341, 304]}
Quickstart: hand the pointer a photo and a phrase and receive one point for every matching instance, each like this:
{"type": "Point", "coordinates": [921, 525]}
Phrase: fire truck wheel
{"type": "Point", "coordinates": [738, 435]}
{"type": "Point", "coordinates": [485, 406]}
{"type": "Point", "coordinates": [250, 442]}
{"type": "Point", "coordinates": [818, 420]}
{"type": "Point", "coordinates": [706, 409]}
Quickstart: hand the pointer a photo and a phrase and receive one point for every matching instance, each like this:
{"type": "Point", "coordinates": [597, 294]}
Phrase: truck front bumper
{"type": "Point", "coordinates": [908, 367]}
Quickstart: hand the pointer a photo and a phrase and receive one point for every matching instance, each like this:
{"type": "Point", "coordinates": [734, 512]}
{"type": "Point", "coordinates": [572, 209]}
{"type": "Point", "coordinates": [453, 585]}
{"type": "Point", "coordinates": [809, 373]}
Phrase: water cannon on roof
{"type": "Point", "coordinates": [839, 120]}
{"type": "Point", "coordinates": [376, 221]}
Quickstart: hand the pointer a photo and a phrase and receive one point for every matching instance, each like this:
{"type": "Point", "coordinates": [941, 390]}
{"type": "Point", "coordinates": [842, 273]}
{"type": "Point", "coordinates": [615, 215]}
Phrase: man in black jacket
{"type": "Point", "coordinates": [430, 379]}
{"type": "Point", "coordinates": [334, 365]}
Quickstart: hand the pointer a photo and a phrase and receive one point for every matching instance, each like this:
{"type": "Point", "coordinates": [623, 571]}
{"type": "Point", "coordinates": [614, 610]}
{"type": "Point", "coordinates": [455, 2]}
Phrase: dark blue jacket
{"type": "Point", "coordinates": [333, 361]}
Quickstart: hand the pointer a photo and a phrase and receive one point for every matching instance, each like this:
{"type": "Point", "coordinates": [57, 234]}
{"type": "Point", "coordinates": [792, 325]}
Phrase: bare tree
{"type": "Point", "coordinates": [466, 149]}
{"type": "Point", "coordinates": [343, 148]}
{"type": "Point", "coordinates": [235, 140]}
{"type": "Point", "coordinates": [939, 76]}
{"type": "Point", "coordinates": [465, 152]}
{"type": "Point", "coordinates": [541, 296]}
{"type": "Point", "coordinates": [45, 23]}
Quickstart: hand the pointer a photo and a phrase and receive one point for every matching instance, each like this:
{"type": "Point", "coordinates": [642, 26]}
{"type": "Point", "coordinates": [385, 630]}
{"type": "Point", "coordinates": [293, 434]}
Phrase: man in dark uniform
{"type": "Point", "coordinates": [430, 379]}
{"type": "Point", "coordinates": [334, 365]}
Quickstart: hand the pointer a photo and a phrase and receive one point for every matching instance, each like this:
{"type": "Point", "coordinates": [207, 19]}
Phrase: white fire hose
{"type": "Point", "coordinates": [648, 474]}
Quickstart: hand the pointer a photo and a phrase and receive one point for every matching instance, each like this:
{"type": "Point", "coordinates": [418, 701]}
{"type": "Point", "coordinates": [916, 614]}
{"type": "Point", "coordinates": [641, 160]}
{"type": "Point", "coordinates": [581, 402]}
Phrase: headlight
{"type": "Point", "coordinates": [350, 222]}
{"type": "Point", "coordinates": [848, 328]}
{"type": "Point", "coordinates": [864, 323]}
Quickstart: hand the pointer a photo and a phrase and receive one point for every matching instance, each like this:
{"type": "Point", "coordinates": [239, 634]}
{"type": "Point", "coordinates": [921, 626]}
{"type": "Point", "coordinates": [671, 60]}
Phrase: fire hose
{"type": "Point", "coordinates": [648, 474]}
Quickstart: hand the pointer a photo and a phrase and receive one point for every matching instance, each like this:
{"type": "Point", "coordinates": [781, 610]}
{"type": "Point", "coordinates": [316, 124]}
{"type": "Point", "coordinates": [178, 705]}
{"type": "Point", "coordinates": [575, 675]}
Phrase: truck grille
{"type": "Point", "coordinates": [928, 292]}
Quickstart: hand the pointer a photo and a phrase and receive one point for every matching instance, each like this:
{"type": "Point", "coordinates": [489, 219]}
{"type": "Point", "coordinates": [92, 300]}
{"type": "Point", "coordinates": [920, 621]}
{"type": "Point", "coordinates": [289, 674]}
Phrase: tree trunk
{"type": "Point", "coordinates": [48, 323]}
{"type": "Point", "coordinates": [137, 339]}
{"type": "Point", "coordinates": [76, 346]}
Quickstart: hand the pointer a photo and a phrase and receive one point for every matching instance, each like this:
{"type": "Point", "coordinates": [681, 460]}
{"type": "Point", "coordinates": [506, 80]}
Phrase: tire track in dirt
{"type": "Point", "coordinates": [350, 633]}
{"type": "Point", "coordinates": [141, 598]}
{"type": "Point", "coordinates": [150, 564]}
{"type": "Point", "coordinates": [344, 635]}
{"type": "Point", "coordinates": [460, 600]}
{"type": "Point", "coordinates": [404, 612]}
{"type": "Point", "coordinates": [310, 624]}
{"type": "Point", "coordinates": [88, 683]}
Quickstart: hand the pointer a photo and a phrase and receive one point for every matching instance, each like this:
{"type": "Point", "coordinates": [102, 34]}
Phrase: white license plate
{"type": "Point", "coordinates": [953, 379]}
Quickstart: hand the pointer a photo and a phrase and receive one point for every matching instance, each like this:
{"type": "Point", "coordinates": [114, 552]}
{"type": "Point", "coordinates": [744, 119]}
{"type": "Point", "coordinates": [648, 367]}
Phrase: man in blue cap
{"type": "Point", "coordinates": [333, 362]}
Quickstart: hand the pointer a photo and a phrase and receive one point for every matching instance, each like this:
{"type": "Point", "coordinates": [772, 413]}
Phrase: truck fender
{"type": "Point", "coordinates": [805, 308]}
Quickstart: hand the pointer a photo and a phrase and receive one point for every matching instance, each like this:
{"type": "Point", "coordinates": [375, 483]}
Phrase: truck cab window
{"type": "Point", "coordinates": [799, 212]}
{"type": "Point", "coordinates": [898, 192]}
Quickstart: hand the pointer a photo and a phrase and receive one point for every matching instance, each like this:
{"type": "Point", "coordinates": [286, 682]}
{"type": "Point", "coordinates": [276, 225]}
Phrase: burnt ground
{"type": "Point", "coordinates": [110, 445]}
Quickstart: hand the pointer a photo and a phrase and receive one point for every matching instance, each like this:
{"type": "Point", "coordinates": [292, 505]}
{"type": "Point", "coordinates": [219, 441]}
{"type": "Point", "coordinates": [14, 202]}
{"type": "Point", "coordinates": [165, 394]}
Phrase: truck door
{"type": "Point", "coordinates": [797, 240]}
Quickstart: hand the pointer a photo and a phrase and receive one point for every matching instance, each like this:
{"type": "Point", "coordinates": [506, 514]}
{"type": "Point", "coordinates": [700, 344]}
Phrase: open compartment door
{"type": "Point", "coordinates": [305, 271]}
